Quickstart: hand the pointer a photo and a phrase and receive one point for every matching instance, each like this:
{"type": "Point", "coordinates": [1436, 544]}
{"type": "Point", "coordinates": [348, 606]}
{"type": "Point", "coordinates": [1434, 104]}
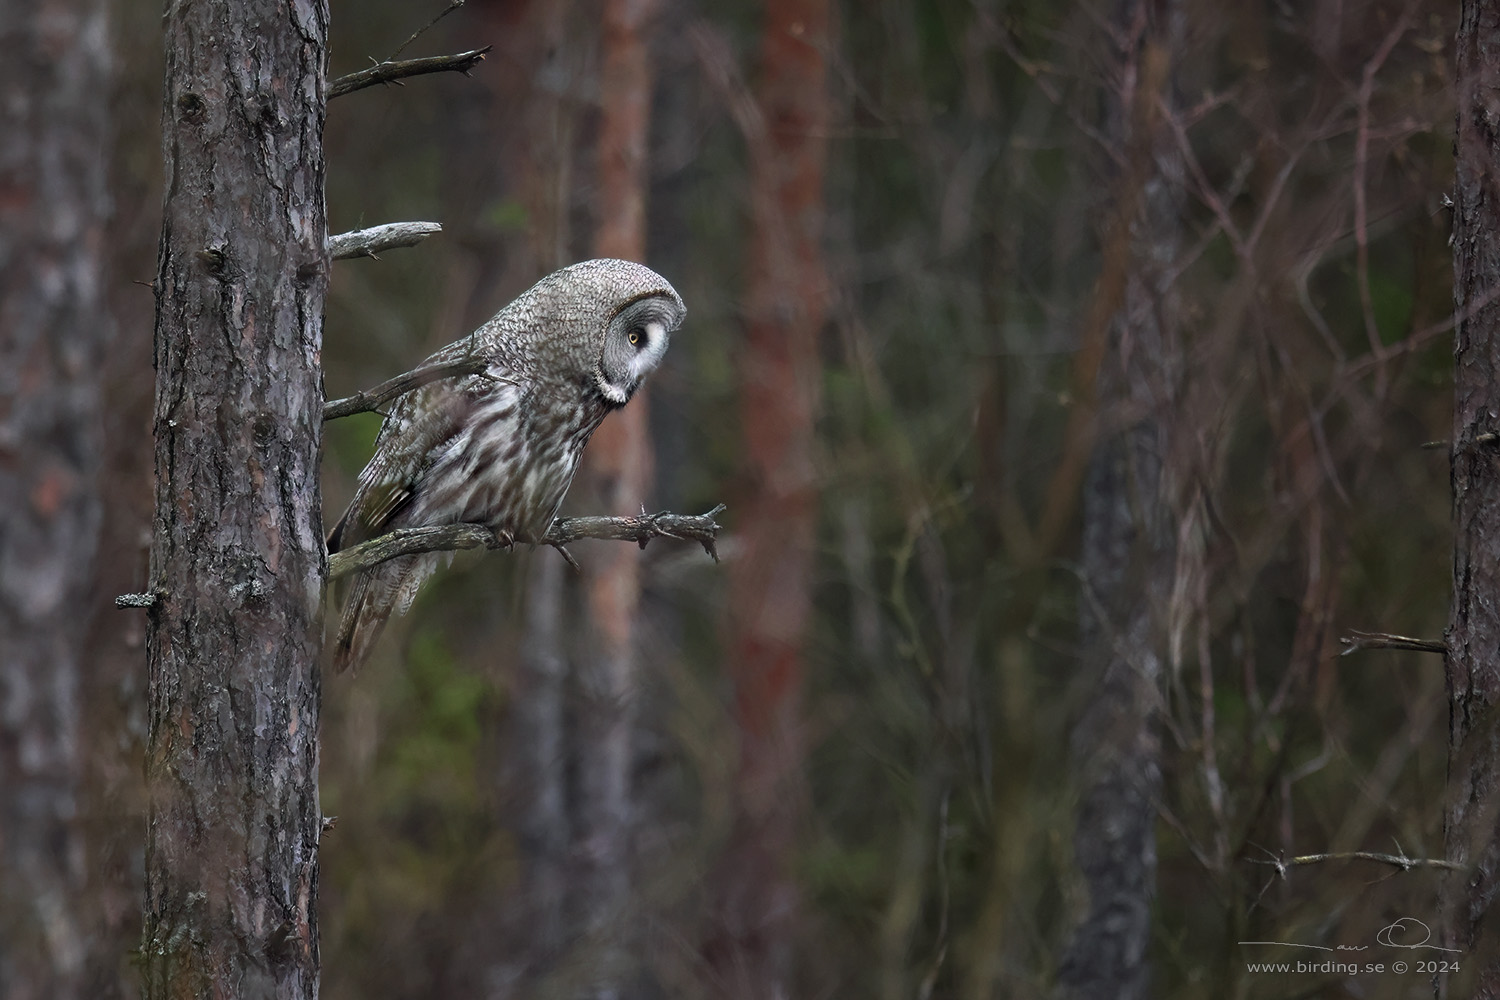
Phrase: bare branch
{"type": "Point", "coordinates": [1479, 439]}
{"type": "Point", "coordinates": [722, 70]}
{"type": "Point", "coordinates": [1401, 861]}
{"type": "Point", "coordinates": [373, 399]}
{"type": "Point", "coordinates": [1361, 212]}
{"type": "Point", "coordinates": [389, 72]}
{"type": "Point", "coordinates": [1356, 640]}
{"type": "Point", "coordinates": [426, 27]}
{"type": "Point", "coordinates": [700, 528]}
{"type": "Point", "coordinates": [135, 601]}
{"type": "Point", "coordinates": [369, 242]}
{"type": "Point", "coordinates": [409, 541]}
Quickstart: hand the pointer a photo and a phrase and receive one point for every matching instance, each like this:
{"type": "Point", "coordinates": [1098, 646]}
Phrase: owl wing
{"type": "Point", "coordinates": [413, 434]}
{"type": "Point", "coordinates": [411, 437]}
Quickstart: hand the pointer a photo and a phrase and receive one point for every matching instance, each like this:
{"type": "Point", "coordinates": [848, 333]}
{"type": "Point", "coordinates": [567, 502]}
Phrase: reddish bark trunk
{"type": "Point", "coordinates": [532, 124]}
{"type": "Point", "coordinates": [54, 331]}
{"type": "Point", "coordinates": [749, 949]}
{"type": "Point", "coordinates": [615, 479]}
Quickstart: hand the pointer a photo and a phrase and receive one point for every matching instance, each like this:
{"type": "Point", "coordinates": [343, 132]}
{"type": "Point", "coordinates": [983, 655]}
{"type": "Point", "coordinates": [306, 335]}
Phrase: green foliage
{"type": "Point", "coordinates": [431, 754]}
{"type": "Point", "coordinates": [508, 215]}
{"type": "Point", "coordinates": [351, 440]}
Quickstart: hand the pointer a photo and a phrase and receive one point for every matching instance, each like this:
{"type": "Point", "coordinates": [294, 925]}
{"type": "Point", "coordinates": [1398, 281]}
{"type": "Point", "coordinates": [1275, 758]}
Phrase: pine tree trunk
{"type": "Point", "coordinates": [750, 947]}
{"type": "Point", "coordinates": [237, 561]}
{"type": "Point", "coordinates": [1473, 659]}
{"type": "Point", "coordinates": [538, 161]}
{"type": "Point", "coordinates": [54, 333]}
{"type": "Point", "coordinates": [615, 479]}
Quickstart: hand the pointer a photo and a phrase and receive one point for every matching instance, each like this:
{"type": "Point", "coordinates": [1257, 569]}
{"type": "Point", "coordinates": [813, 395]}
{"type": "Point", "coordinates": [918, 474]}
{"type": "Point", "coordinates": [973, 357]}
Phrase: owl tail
{"type": "Point", "coordinates": [375, 593]}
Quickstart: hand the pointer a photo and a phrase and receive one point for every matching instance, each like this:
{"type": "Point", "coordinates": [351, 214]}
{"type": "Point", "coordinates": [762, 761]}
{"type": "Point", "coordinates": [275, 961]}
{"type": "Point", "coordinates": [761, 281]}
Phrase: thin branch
{"type": "Point", "coordinates": [1479, 439]}
{"type": "Point", "coordinates": [1283, 865]}
{"type": "Point", "coordinates": [1361, 212]}
{"type": "Point", "coordinates": [427, 27]}
{"type": "Point", "coordinates": [1355, 641]}
{"type": "Point", "coordinates": [369, 242]}
{"type": "Point", "coordinates": [562, 550]}
{"type": "Point", "coordinates": [389, 72]}
{"type": "Point", "coordinates": [717, 62]}
{"type": "Point", "coordinates": [1401, 861]}
{"type": "Point", "coordinates": [700, 528]}
{"type": "Point", "coordinates": [1345, 374]}
{"type": "Point", "coordinates": [373, 399]}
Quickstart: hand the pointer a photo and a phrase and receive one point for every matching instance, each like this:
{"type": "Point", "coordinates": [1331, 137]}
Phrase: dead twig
{"type": "Point", "coordinates": [390, 72]}
{"type": "Point", "coordinates": [369, 242]}
{"type": "Point", "coordinates": [1283, 864]}
{"type": "Point", "coordinates": [135, 601]}
{"type": "Point", "coordinates": [392, 388]}
{"type": "Point", "coordinates": [427, 27]}
{"type": "Point", "coordinates": [1356, 641]}
{"type": "Point", "coordinates": [1361, 211]}
{"type": "Point", "coordinates": [700, 528]}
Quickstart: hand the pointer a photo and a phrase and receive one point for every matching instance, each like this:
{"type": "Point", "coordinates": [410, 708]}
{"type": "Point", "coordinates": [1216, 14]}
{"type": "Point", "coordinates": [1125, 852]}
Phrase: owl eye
{"type": "Point", "coordinates": [636, 337]}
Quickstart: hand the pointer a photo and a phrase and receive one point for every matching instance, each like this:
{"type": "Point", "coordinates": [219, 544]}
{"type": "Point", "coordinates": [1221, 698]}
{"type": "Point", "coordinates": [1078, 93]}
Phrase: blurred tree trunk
{"type": "Point", "coordinates": [237, 561]}
{"type": "Point", "coordinates": [55, 332]}
{"type": "Point", "coordinates": [749, 949]}
{"type": "Point", "coordinates": [615, 479]}
{"type": "Point", "coordinates": [1473, 659]}
{"type": "Point", "coordinates": [1128, 556]}
{"type": "Point", "coordinates": [532, 124]}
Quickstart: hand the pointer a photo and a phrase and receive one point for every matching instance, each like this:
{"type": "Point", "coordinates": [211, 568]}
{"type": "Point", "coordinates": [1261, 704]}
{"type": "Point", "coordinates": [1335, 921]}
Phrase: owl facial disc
{"type": "Point", "coordinates": [634, 344]}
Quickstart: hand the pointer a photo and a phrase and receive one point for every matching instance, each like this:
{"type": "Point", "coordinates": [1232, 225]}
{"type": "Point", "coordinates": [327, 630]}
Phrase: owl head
{"type": "Point", "coordinates": [607, 323]}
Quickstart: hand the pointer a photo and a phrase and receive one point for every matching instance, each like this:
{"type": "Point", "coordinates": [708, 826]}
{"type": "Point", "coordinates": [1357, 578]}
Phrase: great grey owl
{"type": "Point", "coordinates": [500, 448]}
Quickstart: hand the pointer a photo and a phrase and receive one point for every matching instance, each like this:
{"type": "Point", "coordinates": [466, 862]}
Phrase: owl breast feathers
{"type": "Point", "coordinates": [500, 448]}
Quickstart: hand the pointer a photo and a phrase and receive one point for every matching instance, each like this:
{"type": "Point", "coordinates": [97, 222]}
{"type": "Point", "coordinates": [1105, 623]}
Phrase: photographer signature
{"type": "Point", "coordinates": [1404, 932]}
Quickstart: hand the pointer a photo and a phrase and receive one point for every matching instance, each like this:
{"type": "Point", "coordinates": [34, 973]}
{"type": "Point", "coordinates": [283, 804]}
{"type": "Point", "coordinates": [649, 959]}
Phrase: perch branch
{"type": "Point", "coordinates": [700, 528]}
{"type": "Point", "coordinates": [376, 239]}
{"type": "Point", "coordinates": [1355, 641]}
{"type": "Point", "coordinates": [391, 388]}
{"type": "Point", "coordinates": [393, 70]}
{"type": "Point", "coordinates": [409, 541]}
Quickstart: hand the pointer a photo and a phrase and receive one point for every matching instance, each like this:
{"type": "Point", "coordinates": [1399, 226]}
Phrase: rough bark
{"type": "Point", "coordinates": [54, 332]}
{"type": "Point", "coordinates": [1473, 657]}
{"type": "Point", "coordinates": [749, 949]}
{"type": "Point", "coordinates": [237, 561]}
{"type": "Point", "coordinates": [1128, 547]}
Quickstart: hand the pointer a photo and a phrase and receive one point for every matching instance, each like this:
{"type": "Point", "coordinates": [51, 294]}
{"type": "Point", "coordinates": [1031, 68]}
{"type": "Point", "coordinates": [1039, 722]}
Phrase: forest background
{"type": "Point", "coordinates": [1086, 508]}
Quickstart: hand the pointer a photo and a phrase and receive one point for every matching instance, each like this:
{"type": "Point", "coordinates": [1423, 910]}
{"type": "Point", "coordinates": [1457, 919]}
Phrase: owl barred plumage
{"type": "Point", "coordinates": [501, 448]}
